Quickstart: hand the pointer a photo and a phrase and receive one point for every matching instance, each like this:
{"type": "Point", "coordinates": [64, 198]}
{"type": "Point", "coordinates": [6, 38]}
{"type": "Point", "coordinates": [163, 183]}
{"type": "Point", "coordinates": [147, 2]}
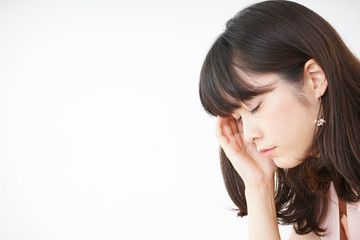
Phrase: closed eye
{"type": "Point", "coordinates": [255, 109]}
{"type": "Point", "coordinates": [252, 112]}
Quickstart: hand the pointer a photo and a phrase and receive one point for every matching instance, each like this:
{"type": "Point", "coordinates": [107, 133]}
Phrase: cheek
{"type": "Point", "coordinates": [295, 137]}
{"type": "Point", "coordinates": [290, 127]}
{"type": "Point", "coordinates": [281, 115]}
{"type": "Point", "coordinates": [278, 125]}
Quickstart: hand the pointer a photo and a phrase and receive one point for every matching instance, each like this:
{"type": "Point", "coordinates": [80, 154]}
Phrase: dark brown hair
{"type": "Point", "coordinates": [280, 37]}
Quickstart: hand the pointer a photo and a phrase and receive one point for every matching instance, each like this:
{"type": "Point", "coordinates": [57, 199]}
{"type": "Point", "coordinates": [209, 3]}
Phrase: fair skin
{"type": "Point", "coordinates": [272, 130]}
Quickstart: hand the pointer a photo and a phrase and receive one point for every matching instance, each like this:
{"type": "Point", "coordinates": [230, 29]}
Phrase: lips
{"type": "Point", "coordinates": [267, 152]}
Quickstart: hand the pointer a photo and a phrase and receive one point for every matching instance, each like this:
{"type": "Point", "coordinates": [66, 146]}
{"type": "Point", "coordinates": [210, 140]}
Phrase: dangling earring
{"type": "Point", "coordinates": [320, 122]}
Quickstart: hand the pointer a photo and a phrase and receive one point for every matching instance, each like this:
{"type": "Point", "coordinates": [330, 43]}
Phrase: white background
{"type": "Point", "coordinates": [102, 135]}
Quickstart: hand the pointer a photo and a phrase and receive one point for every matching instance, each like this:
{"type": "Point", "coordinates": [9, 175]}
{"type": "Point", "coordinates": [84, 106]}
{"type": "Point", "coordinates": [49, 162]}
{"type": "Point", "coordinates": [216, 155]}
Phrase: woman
{"type": "Point", "coordinates": [286, 91]}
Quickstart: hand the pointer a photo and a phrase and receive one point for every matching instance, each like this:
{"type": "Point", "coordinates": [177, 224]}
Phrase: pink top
{"type": "Point", "coordinates": [331, 222]}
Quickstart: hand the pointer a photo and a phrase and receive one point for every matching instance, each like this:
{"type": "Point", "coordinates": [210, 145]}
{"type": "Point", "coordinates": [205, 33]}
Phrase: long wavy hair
{"type": "Point", "coordinates": [280, 37]}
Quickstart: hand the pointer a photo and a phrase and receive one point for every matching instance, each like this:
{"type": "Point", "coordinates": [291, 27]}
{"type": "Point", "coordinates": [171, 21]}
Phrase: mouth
{"type": "Point", "coordinates": [267, 152]}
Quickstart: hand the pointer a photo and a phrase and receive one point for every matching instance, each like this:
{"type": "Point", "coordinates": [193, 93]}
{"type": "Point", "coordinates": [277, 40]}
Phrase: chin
{"type": "Point", "coordinates": [286, 162]}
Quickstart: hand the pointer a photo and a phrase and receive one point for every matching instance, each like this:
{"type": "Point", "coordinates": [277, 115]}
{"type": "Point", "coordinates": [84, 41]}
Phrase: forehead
{"type": "Point", "coordinates": [262, 80]}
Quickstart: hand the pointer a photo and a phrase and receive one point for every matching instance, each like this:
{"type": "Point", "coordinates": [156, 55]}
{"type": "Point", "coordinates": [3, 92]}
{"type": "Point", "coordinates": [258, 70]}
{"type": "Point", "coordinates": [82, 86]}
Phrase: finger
{"type": "Point", "coordinates": [221, 127]}
{"type": "Point", "coordinates": [233, 125]}
{"type": "Point", "coordinates": [219, 130]}
{"type": "Point", "coordinates": [235, 129]}
{"type": "Point", "coordinates": [240, 127]}
{"type": "Point", "coordinates": [227, 130]}
{"type": "Point", "coordinates": [233, 138]}
{"type": "Point", "coordinates": [239, 140]}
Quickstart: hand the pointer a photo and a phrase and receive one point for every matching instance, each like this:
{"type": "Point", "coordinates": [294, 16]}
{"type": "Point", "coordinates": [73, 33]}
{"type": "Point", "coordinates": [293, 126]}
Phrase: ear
{"type": "Point", "coordinates": [316, 77]}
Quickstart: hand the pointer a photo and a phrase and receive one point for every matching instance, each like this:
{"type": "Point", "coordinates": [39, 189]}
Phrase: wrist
{"type": "Point", "coordinates": [263, 188]}
{"type": "Point", "coordinates": [265, 185]}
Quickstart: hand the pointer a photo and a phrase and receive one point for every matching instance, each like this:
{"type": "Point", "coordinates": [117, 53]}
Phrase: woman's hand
{"type": "Point", "coordinates": [253, 167]}
{"type": "Point", "coordinates": [257, 172]}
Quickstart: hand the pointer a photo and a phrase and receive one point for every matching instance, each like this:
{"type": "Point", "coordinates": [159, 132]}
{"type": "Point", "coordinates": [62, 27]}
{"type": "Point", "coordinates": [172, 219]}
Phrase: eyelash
{"type": "Point", "coordinates": [255, 109]}
{"type": "Point", "coordinates": [252, 112]}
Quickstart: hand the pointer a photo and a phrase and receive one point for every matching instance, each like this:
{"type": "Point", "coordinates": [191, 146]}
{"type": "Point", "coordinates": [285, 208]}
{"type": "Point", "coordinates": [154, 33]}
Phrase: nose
{"type": "Point", "coordinates": [251, 131]}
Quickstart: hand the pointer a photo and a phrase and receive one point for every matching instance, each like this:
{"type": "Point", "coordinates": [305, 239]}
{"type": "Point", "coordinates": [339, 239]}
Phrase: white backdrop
{"type": "Point", "coordinates": [102, 135]}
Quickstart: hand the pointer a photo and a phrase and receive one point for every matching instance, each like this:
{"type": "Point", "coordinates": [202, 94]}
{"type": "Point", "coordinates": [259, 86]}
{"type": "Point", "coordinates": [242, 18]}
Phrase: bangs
{"type": "Point", "coordinates": [224, 86]}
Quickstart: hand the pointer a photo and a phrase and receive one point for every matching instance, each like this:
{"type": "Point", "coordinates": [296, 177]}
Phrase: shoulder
{"type": "Point", "coordinates": [309, 236]}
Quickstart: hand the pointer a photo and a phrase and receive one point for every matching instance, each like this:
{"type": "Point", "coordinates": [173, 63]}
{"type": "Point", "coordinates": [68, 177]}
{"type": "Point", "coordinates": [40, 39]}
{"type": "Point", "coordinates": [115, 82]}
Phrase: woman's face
{"type": "Point", "coordinates": [279, 123]}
